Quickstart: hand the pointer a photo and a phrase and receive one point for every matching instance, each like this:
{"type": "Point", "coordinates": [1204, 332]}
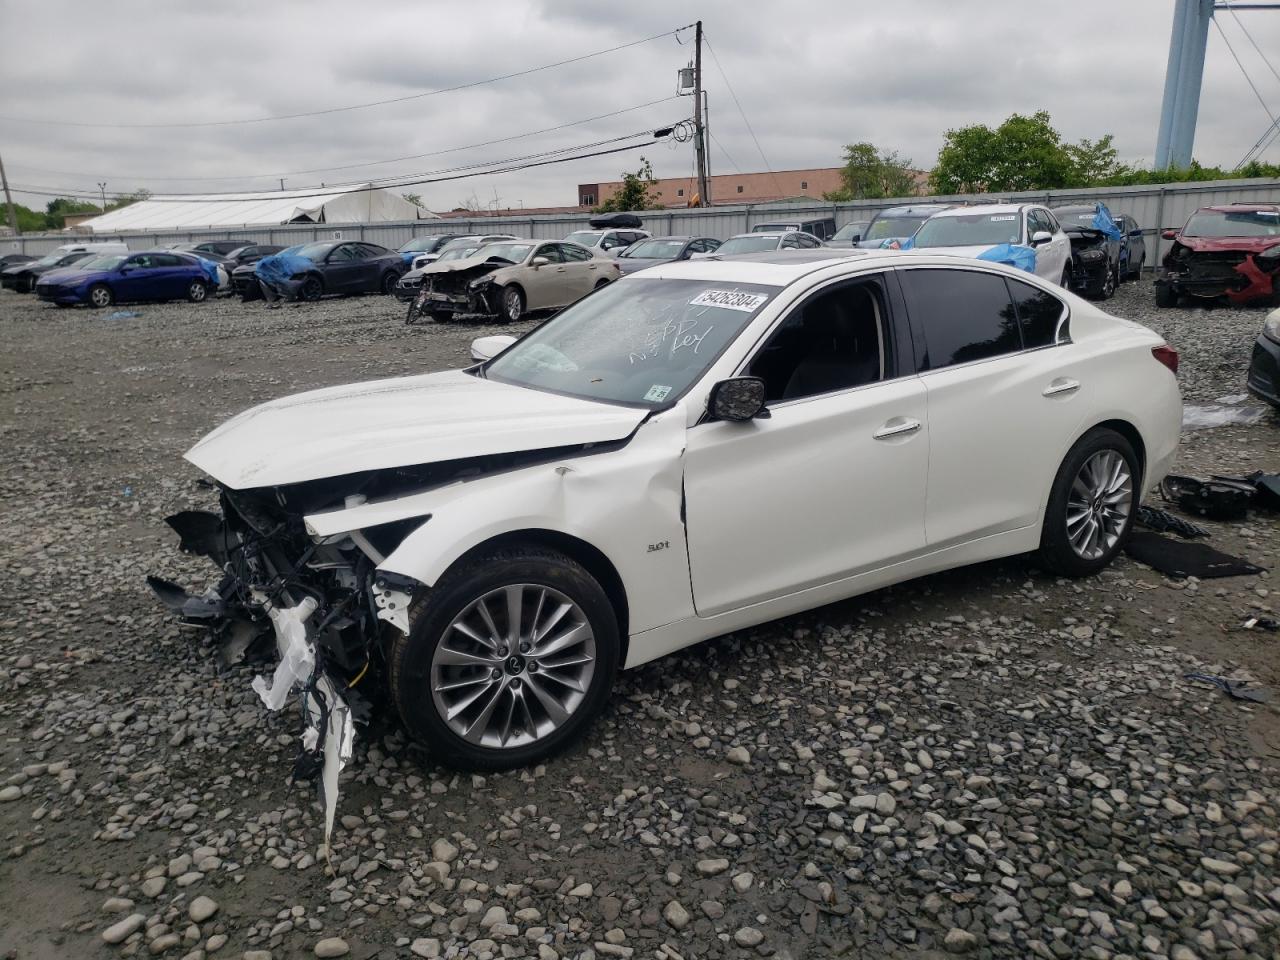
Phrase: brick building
{"type": "Point", "coordinates": [731, 187]}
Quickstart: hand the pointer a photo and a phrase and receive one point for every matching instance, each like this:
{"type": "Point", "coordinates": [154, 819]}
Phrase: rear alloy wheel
{"type": "Point", "coordinates": [198, 291]}
{"type": "Point", "coordinates": [100, 295]}
{"type": "Point", "coordinates": [601, 283]}
{"type": "Point", "coordinates": [508, 660]}
{"type": "Point", "coordinates": [311, 289]}
{"type": "Point", "coordinates": [512, 304]}
{"type": "Point", "coordinates": [1092, 505]}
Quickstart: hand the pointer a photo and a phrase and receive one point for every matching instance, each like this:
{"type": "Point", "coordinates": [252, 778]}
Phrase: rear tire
{"type": "Point", "coordinates": [431, 680]}
{"type": "Point", "coordinates": [1065, 281]}
{"type": "Point", "coordinates": [198, 291]}
{"type": "Point", "coordinates": [1166, 296]}
{"type": "Point", "coordinates": [1091, 506]}
{"type": "Point", "coordinates": [389, 281]}
{"type": "Point", "coordinates": [100, 295]}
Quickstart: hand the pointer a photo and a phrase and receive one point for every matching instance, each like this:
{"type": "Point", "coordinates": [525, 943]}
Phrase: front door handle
{"type": "Point", "coordinates": [1060, 386]}
{"type": "Point", "coordinates": [897, 427]}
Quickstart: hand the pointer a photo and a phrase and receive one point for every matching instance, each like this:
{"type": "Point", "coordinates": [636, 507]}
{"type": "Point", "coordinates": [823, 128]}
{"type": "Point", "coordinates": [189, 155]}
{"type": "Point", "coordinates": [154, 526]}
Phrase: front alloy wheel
{"type": "Point", "coordinates": [513, 666]}
{"type": "Point", "coordinates": [512, 304]}
{"type": "Point", "coordinates": [509, 657]}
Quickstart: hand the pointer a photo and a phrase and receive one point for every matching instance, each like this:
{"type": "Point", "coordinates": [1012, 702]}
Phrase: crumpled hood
{"type": "Point", "coordinates": [407, 421]}
{"type": "Point", "coordinates": [1220, 244]}
{"type": "Point", "coordinates": [466, 263]}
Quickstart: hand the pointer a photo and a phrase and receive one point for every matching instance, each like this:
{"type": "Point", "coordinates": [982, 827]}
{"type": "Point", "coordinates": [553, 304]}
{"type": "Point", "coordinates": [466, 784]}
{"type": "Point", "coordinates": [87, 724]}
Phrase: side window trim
{"type": "Point", "coordinates": [1064, 323]}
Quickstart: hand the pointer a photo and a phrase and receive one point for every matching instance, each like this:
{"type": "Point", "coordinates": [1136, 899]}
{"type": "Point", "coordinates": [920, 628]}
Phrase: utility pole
{"type": "Point", "coordinates": [282, 183]}
{"type": "Point", "coordinates": [102, 189]}
{"type": "Point", "coordinates": [8, 200]}
{"type": "Point", "coordinates": [699, 134]}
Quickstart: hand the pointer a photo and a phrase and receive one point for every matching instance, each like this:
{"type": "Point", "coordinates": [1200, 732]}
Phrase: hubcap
{"type": "Point", "coordinates": [513, 305]}
{"type": "Point", "coordinates": [197, 291]}
{"type": "Point", "coordinates": [100, 297]}
{"type": "Point", "coordinates": [513, 666]}
{"type": "Point", "coordinates": [1099, 503]}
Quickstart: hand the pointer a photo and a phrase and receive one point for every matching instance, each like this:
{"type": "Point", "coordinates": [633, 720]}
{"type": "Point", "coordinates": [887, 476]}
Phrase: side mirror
{"type": "Point", "coordinates": [741, 398]}
{"type": "Point", "coordinates": [854, 238]}
{"type": "Point", "coordinates": [539, 262]}
{"type": "Point", "coordinates": [1169, 234]}
{"type": "Point", "coordinates": [1041, 237]}
{"type": "Point", "coordinates": [486, 348]}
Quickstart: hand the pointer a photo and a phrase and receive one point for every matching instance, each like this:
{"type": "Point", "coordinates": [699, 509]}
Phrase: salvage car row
{"type": "Point", "coordinates": [1229, 252]}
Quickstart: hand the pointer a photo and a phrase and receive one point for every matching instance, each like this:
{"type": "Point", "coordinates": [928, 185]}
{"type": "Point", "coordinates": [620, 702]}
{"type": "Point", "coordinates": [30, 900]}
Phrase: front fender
{"type": "Point", "coordinates": [627, 503]}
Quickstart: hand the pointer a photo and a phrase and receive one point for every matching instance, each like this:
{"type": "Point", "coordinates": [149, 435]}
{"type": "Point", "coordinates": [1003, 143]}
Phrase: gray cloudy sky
{"type": "Point", "coordinates": [810, 75]}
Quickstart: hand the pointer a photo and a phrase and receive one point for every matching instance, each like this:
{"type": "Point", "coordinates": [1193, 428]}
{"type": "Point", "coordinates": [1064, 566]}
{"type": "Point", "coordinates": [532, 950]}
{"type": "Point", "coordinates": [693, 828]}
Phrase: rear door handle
{"type": "Point", "coordinates": [897, 427]}
{"type": "Point", "coordinates": [1060, 386]}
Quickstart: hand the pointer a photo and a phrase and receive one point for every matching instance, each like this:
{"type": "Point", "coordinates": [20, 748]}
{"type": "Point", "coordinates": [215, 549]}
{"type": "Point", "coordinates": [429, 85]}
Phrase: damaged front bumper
{"type": "Point", "coordinates": [448, 295]}
{"type": "Point", "coordinates": [312, 606]}
{"type": "Point", "coordinates": [1235, 276]}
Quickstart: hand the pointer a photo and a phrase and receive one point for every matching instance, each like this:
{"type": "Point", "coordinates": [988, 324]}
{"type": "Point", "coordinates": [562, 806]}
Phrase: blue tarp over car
{"type": "Point", "coordinates": [1011, 254]}
{"type": "Point", "coordinates": [279, 267]}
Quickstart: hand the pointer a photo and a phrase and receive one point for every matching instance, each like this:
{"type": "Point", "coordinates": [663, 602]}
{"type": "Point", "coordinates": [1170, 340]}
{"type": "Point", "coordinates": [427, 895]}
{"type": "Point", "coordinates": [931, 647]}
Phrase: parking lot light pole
{"type": "Point", "coordinates": [8, 201]}
{"type": "Point", "coordinates": [102, 189]}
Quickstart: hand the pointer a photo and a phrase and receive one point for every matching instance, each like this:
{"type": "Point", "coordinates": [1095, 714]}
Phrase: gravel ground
{"type": "Point", "coordinates": [989, 761]}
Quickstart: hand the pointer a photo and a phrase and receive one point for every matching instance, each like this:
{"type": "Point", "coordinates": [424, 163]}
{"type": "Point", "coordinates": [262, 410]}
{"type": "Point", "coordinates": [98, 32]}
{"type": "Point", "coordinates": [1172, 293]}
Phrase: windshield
{"type": "Point", "coordinates": [636, 341]}
{"type": "Point", "coordinates": [882, 228]}
{"type": "Point", "coordinates": [421, 245]}
{"type": "Point", "coordinates": [1245, 223]}
{"type": "Point", "coordinates": [312, 251]}
{"type": "Point", "coordinates": [69, 258]}
{"type": "Point", "coordinates": [48, 260]}
{"type": "Point", "coordinates": [515, 252]}
{"type": "Point", "coordinates": [588, 238]}
{"type": "Point", "coordinates": [458, 253]}
{"type": "Point", "coordinates": [106, 262]}
{"type": "Point", "coordinates": [969, 230]}
{"type": "Point", "coordinates": [849, 229]}
{"type": "Point", "coordinates": [655, 250]}
{"type": "Point", "coordinates": [748, 244]}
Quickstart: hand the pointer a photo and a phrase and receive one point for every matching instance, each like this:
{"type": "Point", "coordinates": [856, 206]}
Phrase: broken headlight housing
{"type": "Point", "coordinates": [1091, 256]}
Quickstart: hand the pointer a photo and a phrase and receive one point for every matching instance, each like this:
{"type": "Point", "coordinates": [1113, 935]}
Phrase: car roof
{"type": "Point", "coordinates": [782, 267]}
{"type": "Point", "coordinates": [1076, 208]}
{"type": "Point", "coordinates": [906, 209]}
{"type": "Point", "coordinates": [765, 233]}
{"type": "Point", "coordinates": [981, 208]}
{"type": "Point", "coordinates": [1241, 207]}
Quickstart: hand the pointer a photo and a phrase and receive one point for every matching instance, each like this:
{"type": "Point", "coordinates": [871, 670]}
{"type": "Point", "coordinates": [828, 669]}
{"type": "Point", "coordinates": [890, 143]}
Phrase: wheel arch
{"type": "Point", "coordinates": [590, 557]}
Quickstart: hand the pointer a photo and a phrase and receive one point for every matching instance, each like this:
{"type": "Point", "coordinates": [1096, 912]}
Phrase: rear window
{"type": "Point", "coordinates": [1038, 313]}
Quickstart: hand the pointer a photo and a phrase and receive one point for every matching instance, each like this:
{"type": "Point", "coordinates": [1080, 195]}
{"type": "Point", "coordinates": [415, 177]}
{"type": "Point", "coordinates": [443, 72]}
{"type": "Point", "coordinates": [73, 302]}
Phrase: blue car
{"type": "Point", "coordinates": [151, 275]}
{"type": "Point", "coordinates": [420, 245]}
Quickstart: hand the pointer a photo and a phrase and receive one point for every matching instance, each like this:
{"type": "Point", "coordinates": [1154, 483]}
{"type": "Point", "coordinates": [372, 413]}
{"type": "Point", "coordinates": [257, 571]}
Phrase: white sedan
{"type": "Point", "coordinates": [691, 450]}
{"type": "Point", "coordinates": [974, 231]}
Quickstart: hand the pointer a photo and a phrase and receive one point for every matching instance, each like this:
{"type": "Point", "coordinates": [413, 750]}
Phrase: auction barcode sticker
{"type": "Point", "coordinates": [730, 300]}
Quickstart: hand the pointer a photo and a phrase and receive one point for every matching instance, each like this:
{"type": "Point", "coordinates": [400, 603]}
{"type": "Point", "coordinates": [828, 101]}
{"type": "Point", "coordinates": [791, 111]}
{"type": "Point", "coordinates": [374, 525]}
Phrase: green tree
{"type": "Point", "coordinates": [1094, 162]}
{"type": "Point", "coordinates": [636, 193]}
{"type": "Point", "coordinates": [57, 209]}
{"type": "Point", "coordinates": [870, 174]}
{"type": "Point", "coordinates": [1023, 153]}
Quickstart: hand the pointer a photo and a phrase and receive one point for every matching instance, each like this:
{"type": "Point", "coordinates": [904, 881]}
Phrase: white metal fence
{"type": "Point", "coordinates": [1153, 207]}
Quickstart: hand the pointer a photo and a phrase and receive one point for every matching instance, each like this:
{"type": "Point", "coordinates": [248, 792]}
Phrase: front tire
{"type": "Point", "coordinates": [100, 296]}
{"type": "Point", "coordinates": [1065, 281]}
{"type": "Point", "coordinates": [1091, 506]}
{"type": "Point", "coordinates": [1166, 296]}
{"type": "Point", "coordinates": [509, 658]}
{"type": "Point", "coordinates": [311, 290]}
{"type": "Point", "coordinates": [512, 304]}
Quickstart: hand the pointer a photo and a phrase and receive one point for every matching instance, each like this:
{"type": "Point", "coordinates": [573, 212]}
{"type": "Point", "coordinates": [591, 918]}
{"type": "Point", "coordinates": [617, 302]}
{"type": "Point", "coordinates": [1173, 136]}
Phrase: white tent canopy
{"type": "Point", "coordinates": [360, 203]}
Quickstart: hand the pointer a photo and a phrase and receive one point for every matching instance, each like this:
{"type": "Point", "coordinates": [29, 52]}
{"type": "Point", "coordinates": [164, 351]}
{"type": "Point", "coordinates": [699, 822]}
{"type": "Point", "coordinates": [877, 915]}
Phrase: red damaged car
{"type": "Point", "coordinates": [1229, 252]}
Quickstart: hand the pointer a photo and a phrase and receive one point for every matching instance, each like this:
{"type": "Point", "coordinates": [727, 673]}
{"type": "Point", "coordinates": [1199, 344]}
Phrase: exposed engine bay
{"type": "Point", "coordinates": [468, 294]}
{"type": "Point", "coordinates": [1238, 275]}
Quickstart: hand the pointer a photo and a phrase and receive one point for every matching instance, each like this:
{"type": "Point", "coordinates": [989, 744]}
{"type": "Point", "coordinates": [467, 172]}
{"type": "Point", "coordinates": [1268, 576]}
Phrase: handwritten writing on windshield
{"type": "Point", "coordinates": [670, 339]}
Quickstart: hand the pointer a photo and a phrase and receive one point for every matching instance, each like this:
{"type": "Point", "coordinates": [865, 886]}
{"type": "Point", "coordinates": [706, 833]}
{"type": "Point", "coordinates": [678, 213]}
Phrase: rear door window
{"type": "Point", "coordinates": [964, 315]}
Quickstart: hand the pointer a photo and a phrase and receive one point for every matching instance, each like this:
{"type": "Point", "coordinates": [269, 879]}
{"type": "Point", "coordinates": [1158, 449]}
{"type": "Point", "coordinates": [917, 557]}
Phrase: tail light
{"type": "Point", "coordinates": [1166, 355]}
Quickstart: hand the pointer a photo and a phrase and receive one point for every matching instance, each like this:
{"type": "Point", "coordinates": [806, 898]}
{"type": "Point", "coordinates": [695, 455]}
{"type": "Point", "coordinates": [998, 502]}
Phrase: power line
{"type": "Point", "coordinates": [1273, 130]}
{"type": "Point", "coordinates": [1248, 80]}
{"type": "Point", "coordinates": [356, 106]}
{"type": "Point", "coordinates": [743, 113]}
{"type": "Point", "coordinates": [658, 136]}
{"type": "Point", "coordinates": [733, 163]}
{"type": "Point", "coordinates": [1240, 23]}
{"type": "Point", "coordinates": [379, 183]}
{"type": "Point", "coordinates": [353, 166]}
